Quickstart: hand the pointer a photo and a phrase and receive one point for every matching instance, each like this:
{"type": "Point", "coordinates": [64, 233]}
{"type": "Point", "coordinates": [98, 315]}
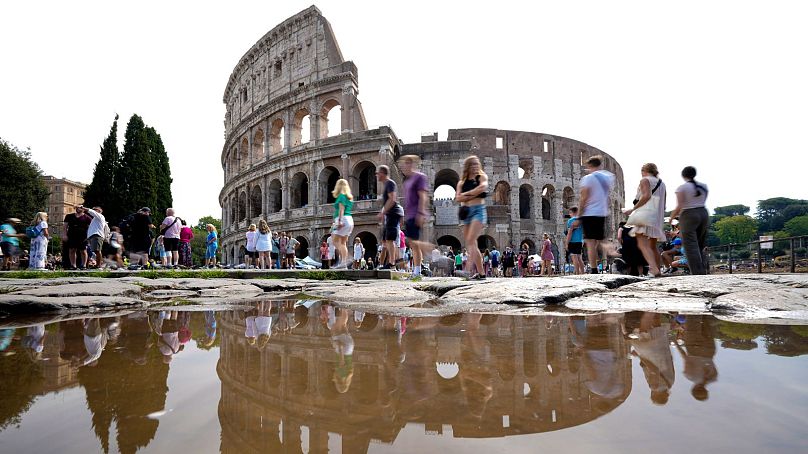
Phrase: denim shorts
{"type": "Point", "coordinates": [476, 213]}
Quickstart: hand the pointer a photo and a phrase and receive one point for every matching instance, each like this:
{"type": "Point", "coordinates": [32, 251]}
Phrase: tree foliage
{"type": "Point", "coordinates": [22, 190]}
{"type": "Point", "coordinates": [736, 229]}
{"type": "Point", "coordinates": [797, 226]}
{"type": "Point", "coordinates": [772, 214]}
{"type": "Point", "coordinates": [205, 220]}
{"type": "Point", "coordinates": [732, 210]}
{"type": "Point", "coordinates": [102, 191]}
{"type": "Point", "coordinates": [162, 171]}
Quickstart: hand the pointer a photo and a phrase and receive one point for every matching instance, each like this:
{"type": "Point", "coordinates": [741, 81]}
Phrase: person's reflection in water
{"type": "Point", "coordinates": [343, 344]}
{"type": "Point", "coordinates": [475, 367]}
{"type": "Point", "coordinates": [263, 320]}
{"type": "Point", "coordinates": [166, 325]}
{"type": "Point", "coordinates": [34, 341]}
{"type": "Point", "coordinates": [95, 339]}
{"type": "Point", "coordinates": [652, 346]}
{"type": "Point", "coordinates": [417, 373]}
{"type": "Point", "coordinates": [698, 353]}
{"type": "Point", "coordinates": [210, 330]}
{"type": "Point", "coordinates": [602, 356]}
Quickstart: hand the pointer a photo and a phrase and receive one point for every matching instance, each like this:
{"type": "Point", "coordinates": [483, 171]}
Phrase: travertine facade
{"type": "Point", "coordinates": [284, 152]}
{"type": "Point", "coordinates": [64, 196]}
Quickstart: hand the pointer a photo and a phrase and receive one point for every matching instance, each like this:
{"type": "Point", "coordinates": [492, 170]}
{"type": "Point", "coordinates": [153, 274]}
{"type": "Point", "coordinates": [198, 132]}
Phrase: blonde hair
{"type": "Point", "coordinates": [467, 166]}
{"type": "Point", "coordinates": [211, 227]}
{"type": "Point", "coordinates": [263, 227]}
{"type": "Point", "coordinates": [411, 158]}
{"type": "Point", "coordinates": [251, 228]}
{"type": "Point", "coordinates": [342, 187]}
{"type": "Point", "coordinates": [39, 217]}
{"type": "Point", "coordinates": [650, 168]}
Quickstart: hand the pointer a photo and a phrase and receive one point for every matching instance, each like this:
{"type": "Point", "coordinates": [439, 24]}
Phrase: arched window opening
{"type": "Point", "coordinates": [365, 173]}
{"type": "Point", "coordinates": [369, 242]}
{"type": "Point", "coordinates": [545, 209]}
{"type": "Point", "coordinates": [525, 168]}
{"type": "Point", "coordinates": [525, 202]}
{"type": "Point", "coordinates": [300, 190]}
{"type": "Point", "coordinates": [275, 196]}
{"type": "Point", "coordinates": [451, 241]}
{"type": "Point", "coordinates": [243, 154]}
{"type": "Point", "coordinates": [444, 192]}
{"type": "Point", "coordinates": [276, 134]}
{"type": "Point", "coordinates": [569, 198]}
{"type": "Point", "coordinates": [256, 202]}
{"type": "Point", "coordinates": [547, 196]}
{"type": "Point", "coordinates": [328, 180]}
{"type": "Point", "coordinates": [330, 119]}
{"type": "Point", "coordinates": [485, 242]}
{"type": "Point", "coordinates": [502, 193]}
{"type": "Point", "coordinates": [446, 184]}
{"type": "Point", "coordinates": [258, 147]}
{"type": "Point", "coordinates": [302, 249]}
{"type": "Point", "coordinates": [301, 131]}
{"type": "Point", "coordinates": [242, 207]}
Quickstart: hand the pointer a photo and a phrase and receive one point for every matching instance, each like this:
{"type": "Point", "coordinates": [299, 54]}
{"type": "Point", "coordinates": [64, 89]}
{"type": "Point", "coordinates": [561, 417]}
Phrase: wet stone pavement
{"type": "Point", "coordinates": [308, 375]}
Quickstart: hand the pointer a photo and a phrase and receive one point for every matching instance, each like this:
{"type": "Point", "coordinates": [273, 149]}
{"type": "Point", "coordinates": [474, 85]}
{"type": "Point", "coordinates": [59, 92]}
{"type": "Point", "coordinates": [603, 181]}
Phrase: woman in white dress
{"type": "Point", "coordinates": [648, 217]}
{"type": "Point", "coordinates": [39, 243]}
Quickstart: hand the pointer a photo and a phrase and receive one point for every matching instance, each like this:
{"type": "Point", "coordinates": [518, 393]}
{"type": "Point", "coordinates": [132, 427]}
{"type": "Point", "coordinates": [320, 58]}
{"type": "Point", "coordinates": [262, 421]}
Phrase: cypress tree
{"type": "Point", "coordinates": [162, 172]}
{"type": "Point", "coordinates": [102, 191]}
{"type": "Point", "coordinates": [135, 178]}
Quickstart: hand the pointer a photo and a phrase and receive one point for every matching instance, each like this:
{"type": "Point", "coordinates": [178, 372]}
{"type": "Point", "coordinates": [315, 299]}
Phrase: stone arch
{"type": "Point", "coordinates": [244, 154]}
{"type": "Point", "coordinates": [452, 241]}
{"type": "Point", "coordinates": [256, 202]}
{"type": "Point", "coordinates": [485, 242]}
{"type": "Point", "coordinates": [502, 193]}
{"type": "Point", "coordinates": [447, 177]}
{"type": "Point", "coordinates": [233, 211]}
{"type": "Point", "coordinates": [275, 196]}
{"type": "Point", "coordinates": [276, 133]}
{"type": "Point", "coordinates": [526, 201]}
{"type": "Point", "coordinates": [327, 181]}
{"type": "Point", "coordinates": [301, 127]}
{"type": "Point", "coordinates": [325, 119]}
{"type": "Point", "coordinates": [531, 245]}
{"type": "Point", "coordinates": [365, 175]}
{"type": "Point", "coordinates": [299, 190]}
{"type": "Point", "coordinates": [242, 206]}
{"type": "Point", "coordinates": [258, 154]}
{"type": "Point", "coordinates": [302, 249]}
{"type": "Point", "coordinates": [369, 242]}
{"type": "Point", "coordinates": [568, 196]}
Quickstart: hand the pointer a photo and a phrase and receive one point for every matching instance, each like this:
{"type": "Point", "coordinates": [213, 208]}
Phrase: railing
{"type": "Point", "coordinates": [760, 247]}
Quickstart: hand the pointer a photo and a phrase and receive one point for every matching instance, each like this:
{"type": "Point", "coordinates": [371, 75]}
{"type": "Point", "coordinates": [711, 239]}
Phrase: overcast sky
{"type": "Point", "coordinates": [719, 85]}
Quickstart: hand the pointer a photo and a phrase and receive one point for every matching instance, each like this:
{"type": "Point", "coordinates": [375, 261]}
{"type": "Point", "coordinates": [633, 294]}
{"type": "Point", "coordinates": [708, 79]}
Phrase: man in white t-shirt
{"type": "Point", "coordinates": [96, 232]}
{"type": "Point", "coordinates": [594, 207]}
{"type": "Point", "coordinates": [170, 229]}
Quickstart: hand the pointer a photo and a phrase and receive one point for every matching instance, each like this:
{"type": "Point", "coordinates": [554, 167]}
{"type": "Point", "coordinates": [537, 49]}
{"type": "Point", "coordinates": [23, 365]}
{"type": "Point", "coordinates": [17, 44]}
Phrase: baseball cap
{"type": "Point", "coordinates": [677, 241]}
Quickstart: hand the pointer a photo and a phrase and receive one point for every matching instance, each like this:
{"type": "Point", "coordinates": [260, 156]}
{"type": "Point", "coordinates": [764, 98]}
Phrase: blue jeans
{"type": "Point", "coordinates": [476, 213]}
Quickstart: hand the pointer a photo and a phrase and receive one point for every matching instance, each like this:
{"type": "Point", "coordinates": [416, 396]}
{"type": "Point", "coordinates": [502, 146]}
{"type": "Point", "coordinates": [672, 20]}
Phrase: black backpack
{"type": "Point", "coordinates": [126, 227]}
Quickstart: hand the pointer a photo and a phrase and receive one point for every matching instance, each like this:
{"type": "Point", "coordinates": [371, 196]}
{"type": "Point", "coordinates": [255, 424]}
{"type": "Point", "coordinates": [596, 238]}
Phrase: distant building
{"type": "Point", "coordinates": [64, 196]}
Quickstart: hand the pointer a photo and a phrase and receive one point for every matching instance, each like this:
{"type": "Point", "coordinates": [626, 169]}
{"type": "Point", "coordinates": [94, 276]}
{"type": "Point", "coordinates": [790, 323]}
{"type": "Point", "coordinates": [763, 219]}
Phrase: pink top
{"type": "Point", "coordinates": [547, 251]}
{"type": "Point", "coordinates": [186, 234]}
{"type": "Point", "coordinates": [402, 242]}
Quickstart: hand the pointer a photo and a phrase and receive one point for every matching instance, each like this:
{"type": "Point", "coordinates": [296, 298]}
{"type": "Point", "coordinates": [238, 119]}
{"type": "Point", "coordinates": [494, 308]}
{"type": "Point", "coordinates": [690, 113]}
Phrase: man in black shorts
{"type": "Point", "coordinates": [390, 215]}
{"type": "Point", "coordinates": [141, 236]}
{"type": "Point", "coordinates": [415, 202]}
{"type": "Point", "coordinates": [76, 225]}
{"type": "Point", "coordinates": [595, 190]}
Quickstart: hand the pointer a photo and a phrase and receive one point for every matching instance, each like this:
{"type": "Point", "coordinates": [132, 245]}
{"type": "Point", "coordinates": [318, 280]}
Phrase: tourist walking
{"type": "Point", "coordinates": [263, 245]}
{"type": "Point", "coordinates": [291, 245]}
{"type": "Point", "coordinates": [358, 252]}
{"type": "Point", "coordinates": [282, 241]}
{"type": "Point", "coordinates": [114, 248]}
{"type": "Point", "coordinates": [575, 241]}
{"type": "Point", "coordinates": [170, 229]}
{"type": "Point", "coordinates": [594, 207]}
{"type": "Point", "coordinates": [508, 261]}
{"type": "Point", "coordinates": [494, 261]}
{"type": "Point", "coordinates": [212, 244]}
{"type": "Point", "coordinates": [10, 244]}
{"type": "Point", "coordinates": [524, 260]}
{"type": "Point", "coordinates": [390, 215]}
{"type": "Point", "coordinates": [140, 240]}
{"type": "Point", "coordinates": [186, 235]}
{"type": "Point", "coordinates": [324, 255]}
{"type": "Point", "coordinates": [160, 250]}
{"type": "Point", "coordinates": [274, 253]}
{"type": "Point", "coordinates": [251, 258]}
{"type": "Point", "coordinates": [75, 234]}
{"type": "Point", "coordinates": [416, 200]}
{"type": "Point", "coordinates": [471, 193]}
{"type": "Point", "coordinates": [546, 256]}
{"type": "Point", "coordinates": [694, 221]}
{"type": "Point", "coordinates": [647, 217]}
{"type": "Point", "coordinates": [96, 233]}
{"type": "Point", "coordinates": [39, 235]}
{"type": "Point", "coordinates": [343, 221]}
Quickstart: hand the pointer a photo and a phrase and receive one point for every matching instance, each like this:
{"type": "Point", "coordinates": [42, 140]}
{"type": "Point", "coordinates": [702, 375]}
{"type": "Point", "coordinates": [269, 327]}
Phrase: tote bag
{"type": "Point", "coordinates": [647, 214]}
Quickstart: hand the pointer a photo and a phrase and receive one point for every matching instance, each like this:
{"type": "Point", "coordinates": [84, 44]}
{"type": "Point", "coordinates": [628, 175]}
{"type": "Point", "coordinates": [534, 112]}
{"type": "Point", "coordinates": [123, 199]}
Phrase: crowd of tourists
{"type": "Point", "coordinates": [642, 245]}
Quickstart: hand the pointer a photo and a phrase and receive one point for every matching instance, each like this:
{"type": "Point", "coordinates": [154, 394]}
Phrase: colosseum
{"type": "Point", "coordinates": [294, 125]}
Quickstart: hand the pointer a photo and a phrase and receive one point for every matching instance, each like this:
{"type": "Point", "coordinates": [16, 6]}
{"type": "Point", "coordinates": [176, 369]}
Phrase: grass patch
{"type": "Point", "coordinates": [321, 275]}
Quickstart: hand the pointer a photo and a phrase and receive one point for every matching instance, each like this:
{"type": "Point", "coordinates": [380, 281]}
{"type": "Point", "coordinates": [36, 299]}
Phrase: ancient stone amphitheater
{"type": "Point", "coordinates": [294, 126]}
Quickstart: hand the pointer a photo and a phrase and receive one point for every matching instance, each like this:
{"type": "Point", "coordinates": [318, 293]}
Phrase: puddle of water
{"type": "Point", "coordinates": [304, 376]}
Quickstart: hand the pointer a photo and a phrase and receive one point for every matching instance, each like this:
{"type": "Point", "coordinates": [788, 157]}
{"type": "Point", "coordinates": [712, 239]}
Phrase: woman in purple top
{"type": "Point", "coordinates": [186, 235]}
{"type": "Point", "coordinates": [546, 256]}
{"type": "Point", "coordinates": [415, 201]}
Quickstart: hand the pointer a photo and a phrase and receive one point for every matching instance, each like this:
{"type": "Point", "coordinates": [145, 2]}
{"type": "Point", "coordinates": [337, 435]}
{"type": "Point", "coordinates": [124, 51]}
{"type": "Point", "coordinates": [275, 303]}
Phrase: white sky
{"type": "Point", "coordinates": [719, 85]}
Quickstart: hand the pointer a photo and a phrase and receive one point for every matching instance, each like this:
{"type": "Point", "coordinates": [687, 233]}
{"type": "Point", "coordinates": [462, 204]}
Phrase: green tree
{"type": "Point", "coordinates": [732, 210]}
{"type": "Point", "coordinates": [736, 229]}
{"type": "Point", "coordinates": [797, 226]}
{"type": "Point", "coordinates": [772, 214]}
{"type": "Point", "coordinates": [22, 191]}
{"type": "Point", "coordinates": [135, 177]}
{"type": "Point", "coordinates": [162, 171]}
{"type": "Point", "coordinates": [102, 191]}
{"type": "Point", "coordinates": [205, 220]}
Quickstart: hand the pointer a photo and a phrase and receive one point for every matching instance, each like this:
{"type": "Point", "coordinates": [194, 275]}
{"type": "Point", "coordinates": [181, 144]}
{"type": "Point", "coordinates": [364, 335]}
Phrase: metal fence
{"type": "Point", "coordinates": [774, 254]}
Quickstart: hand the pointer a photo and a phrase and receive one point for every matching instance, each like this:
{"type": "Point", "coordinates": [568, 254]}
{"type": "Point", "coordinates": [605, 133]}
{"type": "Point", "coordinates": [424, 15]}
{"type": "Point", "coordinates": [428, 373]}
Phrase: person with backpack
{"type": "Point", "coordinates": [594, 207]}
{"type": "Point", "coordinates": [39, 235]}
{"type": "Point", "coordinates": [97, 233]}
{"type": "Point", "coordinates": [75, 235]}
{"type": "Point", "coordinates": [137, 229]}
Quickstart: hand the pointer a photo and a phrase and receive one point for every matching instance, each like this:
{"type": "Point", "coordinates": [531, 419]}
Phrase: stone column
{"type": "Point", "coordinates": [287, 130]}
{"type": "Point", "coordinates": [314, 127]}
{"type": "Point", "coordinates": [266, 139]}
{"type": "Point", "coordinates": [250, 157]}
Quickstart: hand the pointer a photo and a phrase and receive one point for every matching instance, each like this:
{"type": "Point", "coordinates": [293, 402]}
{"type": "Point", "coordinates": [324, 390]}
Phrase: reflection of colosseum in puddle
{"type": "Point", "coordinates": [294, 126]}
{"type": "Point", "coordinates": [512, 376]}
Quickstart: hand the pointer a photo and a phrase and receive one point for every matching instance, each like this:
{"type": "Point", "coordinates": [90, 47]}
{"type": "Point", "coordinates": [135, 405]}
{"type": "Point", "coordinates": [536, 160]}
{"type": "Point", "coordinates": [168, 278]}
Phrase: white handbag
{"type": "Point", "coordinates": [647, 214]}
